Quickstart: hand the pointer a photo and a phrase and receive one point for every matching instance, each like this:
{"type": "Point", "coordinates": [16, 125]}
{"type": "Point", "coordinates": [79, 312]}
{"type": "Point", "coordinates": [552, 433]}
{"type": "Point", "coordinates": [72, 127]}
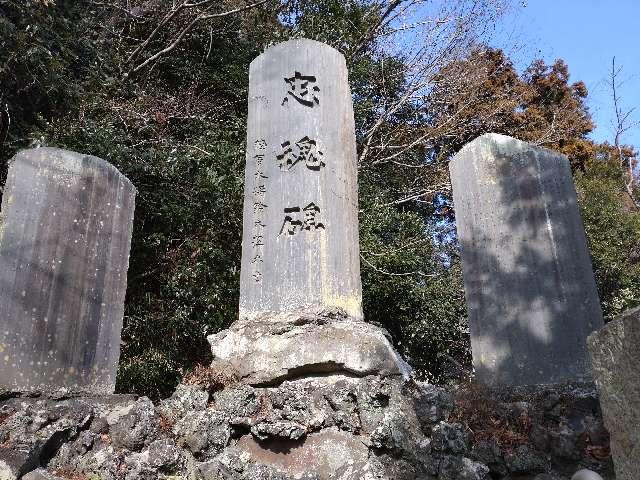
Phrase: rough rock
{"type": "Point", "coordinates": [7, 472]}
{"type": "Point", "coordinates": [323, 453]}
{"type": "Point", "coordinates": [548, 476]}
{"type": "Point", "coordinates": [138, 427]}
{"type": "Point", "coordinates": [462, 468]}
{"type": "Point", "coordinates": [615, 354]}
{"type": "Point", "coordinates": [272, 348]}
{"type": "Point", "coordinates": [40, 474]}
{"type": "Point", "coordinates": [489, 453]}
{"type": "Point", "coordinates": [204, 433]}
{"type": "Point", "coordinates": [318, 427]}
{"type": "Point", "coordinates": [451, 438]}
{"type": "Point", "coordinates": [526, 460]}
{"type": "Point", "coordinates": [35, 432]}
{"type": "Point", "coordinates": [186, 398]}
{"type": "Point", "coordinates": [585, 474]}
{"type": "Point", "coordinates": [566, 443]}
{"type": "Point", "coordinates": [432, 404]}
{"type": "Point", "coordinates": [279, 429]}
{"type": "Point", "coordinates": [164, 454]}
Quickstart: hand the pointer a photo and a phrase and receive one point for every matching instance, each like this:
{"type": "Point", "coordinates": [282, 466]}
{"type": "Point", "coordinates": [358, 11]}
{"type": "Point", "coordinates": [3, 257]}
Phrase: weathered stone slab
{"type": "Point", "coordinates": [615, 354]}
{"type": "Point", "coordinates": [300, 236]}
{"type": "Point", "coordinates": [529, 284]}
{"type": "Point", "coordinates": [65, 234]}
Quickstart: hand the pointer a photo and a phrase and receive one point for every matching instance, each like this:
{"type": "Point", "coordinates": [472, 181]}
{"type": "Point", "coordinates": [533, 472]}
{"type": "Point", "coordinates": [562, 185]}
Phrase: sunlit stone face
{"type": "Point", "coordinates": [529, 284]}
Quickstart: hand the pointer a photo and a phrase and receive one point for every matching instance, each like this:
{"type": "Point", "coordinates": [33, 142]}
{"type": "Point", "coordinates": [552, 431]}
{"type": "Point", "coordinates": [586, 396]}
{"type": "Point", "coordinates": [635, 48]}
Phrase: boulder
{"type": "Point", "coordinates": [586, 474]}
{"type": "Point", "coordinates": [615, 354]}
{"type": "Point", "coordinates": [276, 347]}
{"type": "Point", "coordinates": [137, 427]}
{"type": "Point", "coordinates": [186, 398]}
{"type": "Point", "coordinates": [204, 433]}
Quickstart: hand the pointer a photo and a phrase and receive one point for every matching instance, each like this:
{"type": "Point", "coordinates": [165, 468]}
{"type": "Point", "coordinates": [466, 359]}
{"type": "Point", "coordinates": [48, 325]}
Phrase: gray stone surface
{"type": "Point", "coordinates": [65, 233]}
{"type": "Point", "coordinates": [300, 236]}
{"type": "Point", "coordinates": [529, 283]}
{"type": "Point", "coordinates": [40, 474]}
{"type": "Point", "coordinates": [327, 451]}
{"type": "Point", "coordinates": [584, 474]}
{"type": "Point", "coordinates": [273, 347]}
{"type": "Point", "coordinates": [615, 353]}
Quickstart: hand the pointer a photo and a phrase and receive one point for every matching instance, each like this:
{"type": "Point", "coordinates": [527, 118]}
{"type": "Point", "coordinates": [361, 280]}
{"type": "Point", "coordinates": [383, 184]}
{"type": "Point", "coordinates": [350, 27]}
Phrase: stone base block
{"type": "Point", "coordinates": [272, 348]}
{"type": "Point", "coordinates": [319, 427]}
{"type": "Point", "coordinates": [615, 354]}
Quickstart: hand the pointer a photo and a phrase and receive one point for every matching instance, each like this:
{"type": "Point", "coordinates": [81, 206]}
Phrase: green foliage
{"type": "Point", "coordinates": [407, 287]}
{"type": "Point", "coordinates": [40, 67]}
{"type": "Point", "coordinates": [612, 225]}
{"type": "Point", "coordinates": [336, 22]}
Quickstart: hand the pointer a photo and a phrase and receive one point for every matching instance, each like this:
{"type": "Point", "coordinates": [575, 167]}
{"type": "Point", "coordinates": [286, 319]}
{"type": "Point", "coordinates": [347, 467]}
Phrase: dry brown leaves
{"type": "Point", "coordinates": [475, 408]}
{"type": "Point", "coordinates": [212, 378]}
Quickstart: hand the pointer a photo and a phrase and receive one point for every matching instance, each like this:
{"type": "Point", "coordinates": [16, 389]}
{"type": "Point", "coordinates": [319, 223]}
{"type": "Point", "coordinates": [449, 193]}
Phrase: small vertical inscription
{"type": "Point", "coordinates": [259, 210]}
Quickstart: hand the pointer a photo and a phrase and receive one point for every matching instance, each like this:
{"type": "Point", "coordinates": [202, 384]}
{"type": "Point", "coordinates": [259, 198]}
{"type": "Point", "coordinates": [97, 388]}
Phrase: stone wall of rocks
{"type": "Point", "coordinates": [374, 428]}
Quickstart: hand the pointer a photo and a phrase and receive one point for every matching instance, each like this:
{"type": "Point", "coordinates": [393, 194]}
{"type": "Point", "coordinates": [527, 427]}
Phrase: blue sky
{"type": "Point", "coordinates": [586, 34]}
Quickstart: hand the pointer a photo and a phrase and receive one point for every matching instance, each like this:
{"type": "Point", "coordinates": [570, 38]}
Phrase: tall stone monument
{"type": "Point", "coordinates": [300, 338]}
{"type": "Point", "coordinates": [300, 234]}
{"type": "Point", "coordinates": [529, 283]}
{"type": "Point", "coordinates": [300, 251]}
{"type": "Point", "coordinates": [65, 233]}
{"type": "Point", "coordinates": [615, 354]}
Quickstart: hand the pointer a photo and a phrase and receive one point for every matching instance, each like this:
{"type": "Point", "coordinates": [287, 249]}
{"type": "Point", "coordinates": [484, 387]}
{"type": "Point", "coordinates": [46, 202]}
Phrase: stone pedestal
{"type": "Point", "coordinates": [65, 234]}
{"type": "Point", "coordinates": [276, 347]}
{"type": "Point", "coordinates": [615, 354]}
{"type": "Point", "coordinates": [529, 284]}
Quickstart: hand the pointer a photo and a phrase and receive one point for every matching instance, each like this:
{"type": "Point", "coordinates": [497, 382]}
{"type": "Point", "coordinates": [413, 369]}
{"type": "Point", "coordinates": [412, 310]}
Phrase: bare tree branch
{"type": "Point", "coordinates": [392, 274]}
{"type": "Point", "coordinates": [201, 15]}
{"type": "Point", "coordinates": [622, 125]}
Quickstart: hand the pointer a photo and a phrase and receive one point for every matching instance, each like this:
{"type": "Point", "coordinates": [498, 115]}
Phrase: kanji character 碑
{"type": "Point", "coordinates": [310, 221]}
{"type": "Point", "coordinates": [291, 225]}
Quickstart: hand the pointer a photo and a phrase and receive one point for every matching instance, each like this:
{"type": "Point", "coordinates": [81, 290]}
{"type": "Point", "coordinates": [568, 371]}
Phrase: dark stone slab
{"type": "Point", "coordinates": [529, 284]}
{"type": "Point", "coordinates": [615, 354]}
{"type": "Point", "coordinates": [65, 234]}
{"type": "Point", "coordinates": [300, 237]}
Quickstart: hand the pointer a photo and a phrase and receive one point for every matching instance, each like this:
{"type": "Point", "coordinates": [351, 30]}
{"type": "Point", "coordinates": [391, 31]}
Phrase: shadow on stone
{"type": "Point", "coordinates": [529, 284]}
